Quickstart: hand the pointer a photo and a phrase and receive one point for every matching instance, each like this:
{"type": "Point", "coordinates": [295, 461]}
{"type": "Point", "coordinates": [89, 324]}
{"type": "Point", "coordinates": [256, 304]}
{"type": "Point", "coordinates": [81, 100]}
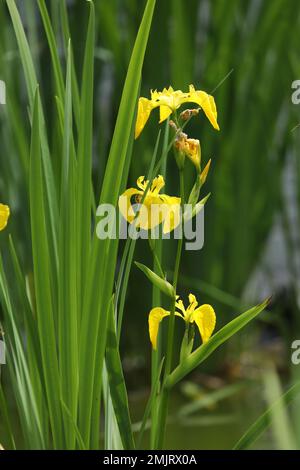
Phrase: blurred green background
{"type": "Point", "coordinates": [245, 53]}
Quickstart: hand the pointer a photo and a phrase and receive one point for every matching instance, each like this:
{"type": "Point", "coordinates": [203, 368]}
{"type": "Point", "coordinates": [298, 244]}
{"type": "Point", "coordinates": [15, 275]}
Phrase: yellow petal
{"type": "Point", "coordinates": [171, 212]}
{"type": "Point", "coordinates": [142, 183]}
{"type": "Point", "coordinates": [205, 319]}
{"type": "Point", "coordinates": [150, 213]}
{"type": "Point", "coordinates": [179, 305]}
{"type": "Point", "coordinates": [125, 206]}
{"type": "Point", "coordinates": [144, 109]}
{"type": "Point", "coordinates": [170, 89]}
{"type": "Point", "coordinates": [4, 215]}
{"type": "Point", "coordinates": [192, 299]}
{"type": "Point", "coordinates": [164, 113]}
{"type": "Point", "coordinates": [155, 317]}
{"type": "Point", "coordinates": [214, 113]}
{"type": "Point", "coordinates": [206, 102]}
{"type": "Point", "coordinates": [157, 184]}
{"type": "Point", "coordinates": [189, 314]}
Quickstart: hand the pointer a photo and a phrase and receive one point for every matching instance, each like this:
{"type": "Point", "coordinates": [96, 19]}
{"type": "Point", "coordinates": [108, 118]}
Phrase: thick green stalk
{"type": "Point", "coordinates": [157, 263]}
{"type": "Point", "coordinates": [164, 401]}
{"type": "Point", "coordinates": [156, 359]}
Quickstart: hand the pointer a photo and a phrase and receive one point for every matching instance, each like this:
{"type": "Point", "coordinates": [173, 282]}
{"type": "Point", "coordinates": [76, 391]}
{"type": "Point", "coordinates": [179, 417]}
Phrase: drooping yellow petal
{"type": "Point", "coordinates": [205, 318]}
{"type": "Point", "coordinates": [155, 317]}
{"type": "Point", "coordinates": [145, 107]}
{"type": "Point", "coordinates": [4, 215]}
{"type": "Point", "coordinates": [125, 205]}
{"type": "Point", "coordinates": [164, 113]}
{"type": "Point", "coordinates": [206, 102]}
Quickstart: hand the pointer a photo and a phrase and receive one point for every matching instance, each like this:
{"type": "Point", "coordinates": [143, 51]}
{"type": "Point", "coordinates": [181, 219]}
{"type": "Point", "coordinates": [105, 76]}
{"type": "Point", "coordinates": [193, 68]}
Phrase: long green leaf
{"type": "Point", "coordinates": [5, 417]}
{"type": "Point", "coordinates": [103, 257]}
{"type": "Point", "coordinates": [67, 36]}
{"type": "Point", "coordinates": [67, 285]}
{"type": "Point", "coordinates": [19, 372]}
{"type": "Point", "coordinates": [150, 403]}
{"type": "Point", "coordinates": [44, 304]}
{"type": "Point", "coordinates": [31, 84]}
{"type": "Point", "coordinates": [117, 384]}
{"type": "Point", "coordinates": [84, 156]}
{"type": "Point", "coordinates": [59, 82]}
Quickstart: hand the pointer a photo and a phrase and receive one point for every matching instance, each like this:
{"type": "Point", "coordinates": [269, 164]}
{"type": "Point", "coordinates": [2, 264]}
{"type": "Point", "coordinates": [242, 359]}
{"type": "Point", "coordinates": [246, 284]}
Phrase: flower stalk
{"type": "Point", "coordinates": [164, 400]}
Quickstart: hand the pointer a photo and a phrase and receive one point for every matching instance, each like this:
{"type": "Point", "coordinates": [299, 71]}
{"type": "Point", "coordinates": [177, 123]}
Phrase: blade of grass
{"type": "Point", "coordinates": [44, 302]}
{"type": "Point", "coordinates": [281, 426]}
{"type": "Point", "coordinates": [31, 84]}
{"type": "Point", "coordinates": [117, 384]}
{"type": "Point", "coordinates": [67, 282]}
{"type": "Point", "coordinates": [103, 256]}
{"type": "Point", "coordinates": [25, 394]}
{"type": "Point", "coordinates": [150, 404]}
{"type": "Point", "coordinates": [5, 419]}
{"type": "Point", "coordinates": [112, 438]}
{"type": "Point", "coordinates": [84, 156]}
{"type": "Point", "coordinates": [58, 75]}
{"type": "Point", "coordinates": [66, 37]}
{"type": "Point", "coordinates": [33, 350]}
{"type": "Point", "coordinates": [68, 414]}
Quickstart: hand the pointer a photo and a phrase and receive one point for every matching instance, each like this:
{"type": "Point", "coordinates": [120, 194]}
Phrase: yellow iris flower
{"type": "Point", "coordinates": [204, 317]}
{"type": "Point", "coordinates": [4, 215]}
{"type": "Point", "coordinates": [156, 208]}
{"type": "Point", "coordinates": [169, 100]}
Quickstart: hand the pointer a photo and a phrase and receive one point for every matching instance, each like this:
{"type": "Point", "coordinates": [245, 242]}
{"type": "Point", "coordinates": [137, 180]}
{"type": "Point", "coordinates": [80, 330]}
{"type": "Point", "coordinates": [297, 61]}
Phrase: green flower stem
{"type": "Point", "coordinates": [156, 259]}
{"type": "Point", "coordinates": [164, 401]}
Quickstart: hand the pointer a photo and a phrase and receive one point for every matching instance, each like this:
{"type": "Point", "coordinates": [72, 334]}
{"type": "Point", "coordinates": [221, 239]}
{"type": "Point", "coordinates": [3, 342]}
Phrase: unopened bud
{"type": "Point", "coordinates": [188, 113]}
{"type": "Point", "coordinates": [162, 284]}
{"type": "Point", "coordinates": [204, 173]}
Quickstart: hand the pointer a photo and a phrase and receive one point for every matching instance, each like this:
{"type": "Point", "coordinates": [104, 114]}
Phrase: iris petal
{"type": "Point", "coordinates": [145, 107]}
{"type": "Point", "coordinates": [4, 215]}
{"type": "Point", "coordinates": [205, 318]}
{"type": "Point", "coordinates": [125, 206]}
{"type": "Point", "coordinates": [155, 317]}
